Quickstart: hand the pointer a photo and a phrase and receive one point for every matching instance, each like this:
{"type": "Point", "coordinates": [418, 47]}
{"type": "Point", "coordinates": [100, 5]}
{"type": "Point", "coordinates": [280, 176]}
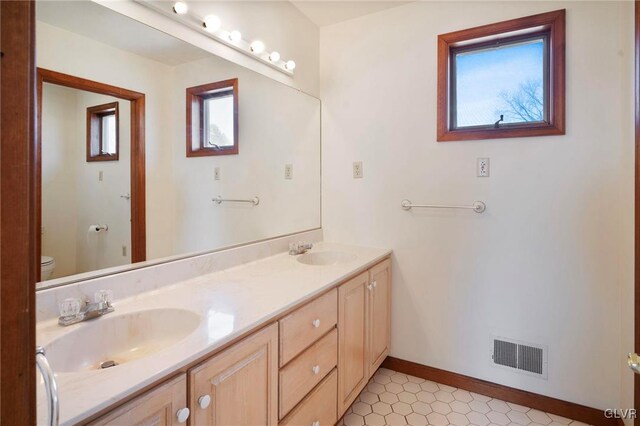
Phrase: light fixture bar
{"type": "Point", "coordinates": [232, 39]}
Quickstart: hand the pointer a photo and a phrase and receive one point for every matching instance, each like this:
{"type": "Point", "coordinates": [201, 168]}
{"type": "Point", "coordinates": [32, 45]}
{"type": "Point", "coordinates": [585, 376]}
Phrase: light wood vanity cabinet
{"type": "Point", "coordinates": [166, 405]}
{"type": "Point", "coordinates": [306, 369]}
{"type": "Point", "coordinates": [364, 321]}
{"type": "Point", "coordinates": [239, 386]}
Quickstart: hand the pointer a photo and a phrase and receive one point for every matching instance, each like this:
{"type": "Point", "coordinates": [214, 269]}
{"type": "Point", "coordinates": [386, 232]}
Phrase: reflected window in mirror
{"type": "Point", "coordinates": [102, 132]}
{"type": "Point", "coordinates": [212, 119]}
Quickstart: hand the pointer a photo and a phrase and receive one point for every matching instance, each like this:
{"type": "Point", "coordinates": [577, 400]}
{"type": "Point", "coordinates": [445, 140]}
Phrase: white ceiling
{"type": "Point", "coordinates": [328, 12]}
{"type": "Point", "coordinates": [101, 24]}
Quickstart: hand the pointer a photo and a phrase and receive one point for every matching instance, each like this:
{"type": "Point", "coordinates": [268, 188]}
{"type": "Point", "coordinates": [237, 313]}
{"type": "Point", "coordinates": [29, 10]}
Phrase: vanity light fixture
{"type": "Point", "coordinates": [212, 23]}
{"type": "Point", "coordinates": [257, 47]}
{"type": "Point", "coordinates": [235, 36]}
{"type": "Point", "coordinates": [274, 56]}
{"type": "Point", "coordinates": [180, 8]}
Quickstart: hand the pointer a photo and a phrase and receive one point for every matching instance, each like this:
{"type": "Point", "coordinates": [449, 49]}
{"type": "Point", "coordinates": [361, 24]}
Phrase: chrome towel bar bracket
{"type": "Point", "coordinates": [478, 206]}
{"type": "Point", "coordinates": [255, 200]}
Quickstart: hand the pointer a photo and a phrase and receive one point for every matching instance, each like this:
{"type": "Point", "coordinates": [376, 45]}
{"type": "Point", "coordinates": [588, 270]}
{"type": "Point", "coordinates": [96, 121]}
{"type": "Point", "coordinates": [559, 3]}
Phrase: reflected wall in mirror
{"type": "Point", "coordinates": [277, 126]}
{"type": "Point", "coordinates": [91, 165]}
{"type": "Point", "coordinates": [212, 119]}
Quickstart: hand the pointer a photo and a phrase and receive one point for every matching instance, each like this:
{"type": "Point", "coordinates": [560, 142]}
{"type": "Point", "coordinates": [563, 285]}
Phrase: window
{"type": "Point", "coordinates": [102, 132]}
{"type": "Point", "coordinates": [502, 80]}
{"type": "Point", "coordinates": [212, 119]}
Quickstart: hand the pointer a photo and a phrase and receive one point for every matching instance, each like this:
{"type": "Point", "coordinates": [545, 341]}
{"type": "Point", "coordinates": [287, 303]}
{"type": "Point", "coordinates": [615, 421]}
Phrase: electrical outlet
{"type": "Point", "coordinates": [288, 171]}
{"type": "Point", "coordinates": [100, 176]}
{"type": "Point", "coordinates": [357, 170]}
{"type": "Point", "coordinates": [216, 173]}
{"type": "Point", "coordinates": [483, 167]}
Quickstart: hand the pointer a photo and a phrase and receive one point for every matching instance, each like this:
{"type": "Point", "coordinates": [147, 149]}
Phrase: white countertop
{"type": "Point", "coordinates": [230, 303]}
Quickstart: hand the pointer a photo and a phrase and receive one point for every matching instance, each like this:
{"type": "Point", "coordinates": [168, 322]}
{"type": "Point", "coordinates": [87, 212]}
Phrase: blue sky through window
{"type": "Point", "coordinates": [507, 80]}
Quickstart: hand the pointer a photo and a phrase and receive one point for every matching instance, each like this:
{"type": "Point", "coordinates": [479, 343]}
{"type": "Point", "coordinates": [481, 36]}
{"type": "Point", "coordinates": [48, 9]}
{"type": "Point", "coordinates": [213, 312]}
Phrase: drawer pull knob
{"type": "Point", "coordinates": [204, 401]}
{"type": "Point", "coordinates": [316, 369]}
{"type": "Point", "coordinates": [182, 415]}
{"type": "Point", "coordinates": [375, 283]}
{"type": "Point", "coordinates": [316, 423]}
{"type": "Point", "coordinates": [316, 323]}
{"type": "Point", "coordinates": [370, 287]}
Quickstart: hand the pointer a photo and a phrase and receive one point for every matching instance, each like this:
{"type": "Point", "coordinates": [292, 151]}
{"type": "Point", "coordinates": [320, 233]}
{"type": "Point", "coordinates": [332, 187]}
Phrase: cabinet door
{"type": "Point", "coordinates": [353, 362]}
{"type": "Point", "coordinates": [379, 313]}
{"type": "Point", "coordinates": [158, 407]}
{"type": "Point", "coordinates": [238, 386]}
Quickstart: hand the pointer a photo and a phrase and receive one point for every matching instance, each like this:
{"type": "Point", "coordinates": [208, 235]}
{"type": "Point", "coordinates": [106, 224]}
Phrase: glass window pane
{"type": "Point", "coordinates": [218, 112]}
{"type": "Point", "coordinates": [507, 80]}
{"type": "Point", "coordinates": [109, 134]}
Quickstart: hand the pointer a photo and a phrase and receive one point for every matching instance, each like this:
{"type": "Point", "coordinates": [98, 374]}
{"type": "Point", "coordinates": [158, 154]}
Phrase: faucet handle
{"type": "Point", "coordinates": [103, 296]}
{"type": "Point", "coordinates": [70, 307]}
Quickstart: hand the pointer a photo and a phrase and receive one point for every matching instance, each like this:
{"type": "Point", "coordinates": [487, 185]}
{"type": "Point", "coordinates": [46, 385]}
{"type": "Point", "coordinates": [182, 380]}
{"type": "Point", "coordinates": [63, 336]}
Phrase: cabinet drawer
{"type": "Point", "coordinates": [319, 407]}
{"type": "Point", "coordinates": [306, 371]}
{"type": "Point", "coordinates": [304, 326]}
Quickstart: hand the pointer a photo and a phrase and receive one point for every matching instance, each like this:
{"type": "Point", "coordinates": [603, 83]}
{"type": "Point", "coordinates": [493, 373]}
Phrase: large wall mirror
{"type": "Point", "coordinates": [118, 188]}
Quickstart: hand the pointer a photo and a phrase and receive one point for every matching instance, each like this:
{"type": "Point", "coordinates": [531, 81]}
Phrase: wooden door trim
{"type": "Point", "coordinates": [18, 232]}
{"type": "Point", "coordinates": [138, 197]}
{"type": "Point", "coordinates": [636, 332]}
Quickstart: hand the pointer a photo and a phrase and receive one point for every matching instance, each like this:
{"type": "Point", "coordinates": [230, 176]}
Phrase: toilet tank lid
{"type": "Point", "coordinates": [45, 260]}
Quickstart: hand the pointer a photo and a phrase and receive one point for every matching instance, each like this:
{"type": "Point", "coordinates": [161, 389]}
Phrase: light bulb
{"type": "Point", "coordinates": [180, 8]}
{"type": "Point", "coordinates": [257, 47]}
{"type": "Point", "coordinates": [274, 56]}
{"type": "Point", "coordinates": [212, 23]}
{"type": "Point", "coordinates": [235, 36]}
{"type": "Point", "coordinates": [290, 65]}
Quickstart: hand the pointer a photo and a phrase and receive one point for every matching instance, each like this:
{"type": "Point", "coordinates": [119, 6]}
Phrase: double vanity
{"type": "Point", "coordinates": [285, 339]}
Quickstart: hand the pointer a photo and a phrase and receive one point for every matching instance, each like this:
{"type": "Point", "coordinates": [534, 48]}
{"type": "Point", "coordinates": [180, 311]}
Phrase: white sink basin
{"type": "Point", "coordinates": [119, 338]}
{"type": "Point", "coordinates": [325, 258]}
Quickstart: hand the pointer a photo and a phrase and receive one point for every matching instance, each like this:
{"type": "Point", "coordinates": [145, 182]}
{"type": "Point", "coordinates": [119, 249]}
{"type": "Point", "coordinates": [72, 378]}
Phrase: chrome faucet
{"type": "Point", "coordinates": [73, 310]}
{"type": "Point", "coordinates": [299, 248]}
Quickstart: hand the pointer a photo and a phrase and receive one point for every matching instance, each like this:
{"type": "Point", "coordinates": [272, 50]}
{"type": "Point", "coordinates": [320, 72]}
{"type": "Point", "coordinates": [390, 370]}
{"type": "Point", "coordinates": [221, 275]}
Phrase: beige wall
{"type": "Point", "coordinates": [550, 261]}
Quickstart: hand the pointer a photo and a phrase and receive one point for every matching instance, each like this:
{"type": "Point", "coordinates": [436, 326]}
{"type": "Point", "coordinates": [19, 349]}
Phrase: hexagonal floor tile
{"type": "Point", "coordinates": [499, 406]}
{"type": "Point", "coordinates": [395, 419]}
{"type": "Point", "coordinates": [407, 397]}
{"type": "Point", "coordinates": [381, 408]}
{"type": "Point", "coordinates": [382, 379]}
{"type": "Point", "coordinates": [427, 397]}
{"type": "Point", "coordinates": [401, 408]}
{"type": "Point", "coordinates": [458, 419]}
{"type": "Point", "coordinates": [388, 397]}
{"type": "Point", "coordinates": [394, 388]}
{"type": "Point", "coordinates": [414, 379]}
{"type": "Point", "coordinates": [421, 407]}
{"type": "Point", "coordinates": [375, 388]}
{"type": "Point", "coordinates": [429, 386]}
{"type": "Point", "coordinates": [460, 407]}
{"type": "Point", "coordinates": [539, 417]}
{"type": "Point", "coordinates": [462, 395]}
{"type": "Point", "coordinates": [361, 408]}
{"type": "Point", "coordinates": [415, 419]}
{"type": "Point", "coordinates": [437, 419]}
{"type": "Point", "coordinates": [479, 406]}
{"type": "Point", "coordinates": [353, 419]}
{"type": "Point", "coordinates": [478, 419]}
{"type": "Point", "coordinates": [518, 417]}
{"type": "Point", "coordinates": [368, 397]}
{"type": "Point", "coordinates": [498, 418]}
{"type": "Point", "coordinates": [412, 387]}
{"type": "Point", "coordinates": [374, 420]}
{"type": "Point", "coordinates": [441, 407]}
{"type": "Point", "coordinates": [399, 378]}
{"type": "Point", "coordinates": [444, 396]}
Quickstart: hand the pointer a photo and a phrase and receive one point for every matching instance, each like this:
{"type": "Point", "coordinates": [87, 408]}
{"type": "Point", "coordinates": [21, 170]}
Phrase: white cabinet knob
{"type": "Point", "coordinates": [316, 369]}
{"type": "Point", "coordinates": [204, 401]}
{"type": "Point", "coordinates": [375, 283]}
{"type": "Point", "coordinates": [316, 423]}
{"type": "Point", "coordinates": [316, 323]}
{"type": "Point", "coordinates": [183, 414]}
{"type": "Point", "coordinates": [370, 287]}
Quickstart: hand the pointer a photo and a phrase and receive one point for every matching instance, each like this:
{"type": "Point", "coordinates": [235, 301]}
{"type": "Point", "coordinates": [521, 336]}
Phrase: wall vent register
{"type": "Point", "coordinates": [523, 357]}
